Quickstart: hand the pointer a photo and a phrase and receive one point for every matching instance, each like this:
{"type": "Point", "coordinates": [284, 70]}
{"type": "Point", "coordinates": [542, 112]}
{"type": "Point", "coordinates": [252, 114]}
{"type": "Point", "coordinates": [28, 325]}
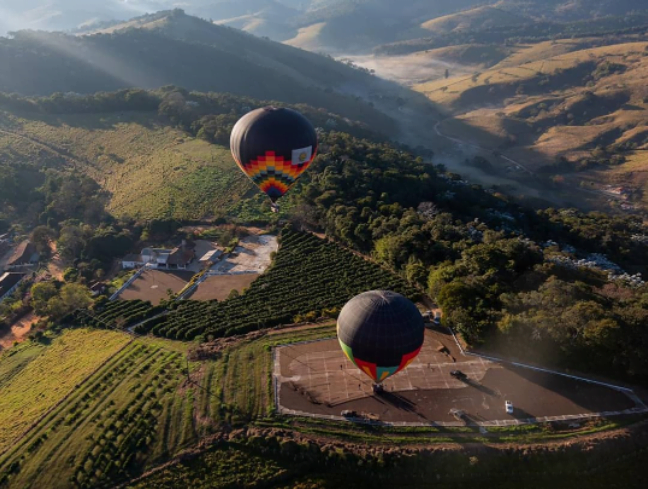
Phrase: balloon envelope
{"type": "Point", "coordinates": [273, 147]}
{"type": "Point", "coordinates": [381, 332]}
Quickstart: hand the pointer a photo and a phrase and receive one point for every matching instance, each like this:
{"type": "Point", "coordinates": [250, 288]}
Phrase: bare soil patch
{"type": "Point", "coordinates": [55, 267]}
{"type": "Point", "coordinates": [219, 287]}
{"type": "Point", "coordinates": [152, 285]}
{"type": "Point", "coordinates": [253, 254]}
{"type": "Point", "coordinates": [19, 330]}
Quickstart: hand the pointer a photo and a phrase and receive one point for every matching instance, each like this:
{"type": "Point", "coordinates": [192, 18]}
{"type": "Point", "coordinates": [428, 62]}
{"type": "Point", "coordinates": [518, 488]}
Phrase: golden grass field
{"type": "Point", "coordinates": [559, 99]}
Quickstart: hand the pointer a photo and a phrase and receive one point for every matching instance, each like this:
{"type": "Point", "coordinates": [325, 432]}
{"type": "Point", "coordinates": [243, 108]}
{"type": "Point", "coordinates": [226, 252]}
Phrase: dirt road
{"type": "Point", "coordinates": [19, 330]}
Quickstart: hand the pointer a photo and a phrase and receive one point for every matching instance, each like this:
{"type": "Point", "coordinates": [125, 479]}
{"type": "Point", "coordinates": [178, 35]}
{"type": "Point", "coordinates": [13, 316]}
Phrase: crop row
{"type": "Point", "coordinates": [122, 314]}
{"type": "Point", "coordinates": [123, 433]}
{"type": "Point", "coordinates": [310, 276]}
{"type": "Point", "coordinates": [110, 411]}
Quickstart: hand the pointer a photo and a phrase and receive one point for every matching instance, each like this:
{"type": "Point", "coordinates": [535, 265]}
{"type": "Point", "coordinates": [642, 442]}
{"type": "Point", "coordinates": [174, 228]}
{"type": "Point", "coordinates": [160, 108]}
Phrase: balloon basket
{"type": "Point", "coordinates": [378, 388]}
{"type": "Point", "coordinates": [274, 208]}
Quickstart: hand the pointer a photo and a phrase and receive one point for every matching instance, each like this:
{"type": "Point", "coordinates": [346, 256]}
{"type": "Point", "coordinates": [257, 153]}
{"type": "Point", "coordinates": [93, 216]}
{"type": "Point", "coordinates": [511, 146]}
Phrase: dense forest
{"type": "Point", "coordinates": [504, 275]}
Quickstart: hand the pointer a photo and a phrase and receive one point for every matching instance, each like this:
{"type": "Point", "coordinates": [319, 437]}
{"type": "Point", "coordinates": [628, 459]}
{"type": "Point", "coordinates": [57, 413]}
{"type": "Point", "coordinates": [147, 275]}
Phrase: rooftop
{"type": "Point", "coordinates": [23, 254]}
{"type": "Point", "coordinates": [180, 256]}
{"type": "Point", "coordinates": [8, 280]}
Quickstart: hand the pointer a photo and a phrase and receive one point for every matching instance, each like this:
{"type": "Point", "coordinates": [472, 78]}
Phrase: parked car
{"type": "Point", "coordinates": [458, 414]}
{"type": "Point", "coordinates": [509, 407]}
{"type": "Point", "coordinates": [349, 414]}
{"type": "Point", "coordinates": [458, 374]}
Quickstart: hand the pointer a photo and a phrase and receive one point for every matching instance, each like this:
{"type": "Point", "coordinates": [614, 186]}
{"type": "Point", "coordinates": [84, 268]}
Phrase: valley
{"type": "Point", "coordinates": [426, 264]}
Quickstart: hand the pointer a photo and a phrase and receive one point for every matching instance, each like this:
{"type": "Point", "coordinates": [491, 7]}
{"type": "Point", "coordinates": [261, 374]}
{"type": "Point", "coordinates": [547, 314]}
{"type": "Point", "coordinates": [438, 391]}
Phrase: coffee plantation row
{"type": "Point", "coordinates": [309, 278]}
{"type": "Point", "coordinates": [116, 314]}
{"type": "Point", "coordinates": [102, 433]}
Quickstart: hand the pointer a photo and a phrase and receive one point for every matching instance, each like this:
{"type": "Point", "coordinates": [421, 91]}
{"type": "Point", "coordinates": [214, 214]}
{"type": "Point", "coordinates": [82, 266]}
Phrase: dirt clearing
{"type": "Point", "coordinates": [153, 285]}
{"type": "Point", "coordinates": [219, 286]}
{"type": "Point", "coordinates": [19, 331]}
{"type": "Point", "coordinates": [252, 255]}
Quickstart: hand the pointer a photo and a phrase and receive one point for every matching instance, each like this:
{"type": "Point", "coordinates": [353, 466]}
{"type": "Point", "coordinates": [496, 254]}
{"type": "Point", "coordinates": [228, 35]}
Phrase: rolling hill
{"type": "Point", "coordinates": [157, 154]}
{"type": "Point", "coordinates": [477, 18]}
{"type": "Point", "coordinates": [172, 48]}
{"type": "Point", "coordinates": [354, 27]}
{"type": "Point", "coordinates": [570, 110]}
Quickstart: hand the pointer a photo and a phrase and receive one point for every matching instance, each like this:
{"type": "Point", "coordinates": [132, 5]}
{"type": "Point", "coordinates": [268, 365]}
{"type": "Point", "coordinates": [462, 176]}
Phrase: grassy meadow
{"type": "Point", "coordinates": [149, 169]}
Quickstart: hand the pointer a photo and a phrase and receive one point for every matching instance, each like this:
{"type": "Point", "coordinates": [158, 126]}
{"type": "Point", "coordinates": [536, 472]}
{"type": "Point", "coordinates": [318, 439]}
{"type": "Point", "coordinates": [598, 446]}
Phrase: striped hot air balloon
{"type": "Point", "coordinates": [273, 147]}
{"type": "Point", "coordinates": [381, 332]}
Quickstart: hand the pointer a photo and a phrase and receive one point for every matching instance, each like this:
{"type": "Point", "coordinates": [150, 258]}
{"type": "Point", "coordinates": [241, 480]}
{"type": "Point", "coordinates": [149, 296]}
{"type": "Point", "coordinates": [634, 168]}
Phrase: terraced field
{"type": "Point", "coordinates": [137, 409]}
{"type": "Point", "coordinates": [123, 415]}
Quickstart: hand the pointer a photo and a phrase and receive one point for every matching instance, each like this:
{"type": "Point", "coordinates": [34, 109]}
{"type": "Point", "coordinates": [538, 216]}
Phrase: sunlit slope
{"type": "Point", "coordinates": [565, 104]}
{"type": "Point", "coordinates": [150, 169]}
{"type": "Point", "coordinates": [477, 18]}
{"type": "Point", "coordinates": [38, 383]}
{"type": "Point", "coordinates": [563, 109]}
{"type": "Point", "coordinates": [477, 55]}
{"type": "Point", "coordinates": [307, 37]}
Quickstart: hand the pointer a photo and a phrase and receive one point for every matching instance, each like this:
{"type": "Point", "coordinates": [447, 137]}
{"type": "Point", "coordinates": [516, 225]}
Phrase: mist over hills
{"type": "Point", "coordinates": [341, 26]}
{"type": "Point", "coordinates": [172, 48]}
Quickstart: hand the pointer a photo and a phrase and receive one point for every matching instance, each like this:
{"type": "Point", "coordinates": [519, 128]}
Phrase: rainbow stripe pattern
{"type": "Point", "coordinates": [273, 174]}
{"type": "Point", "coordinates": [379, 373]}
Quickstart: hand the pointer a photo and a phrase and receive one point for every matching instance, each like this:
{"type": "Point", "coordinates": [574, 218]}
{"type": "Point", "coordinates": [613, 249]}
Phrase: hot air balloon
{"type": "Point", "coordinates": [273, 147]}
{"type": "Point", "coordinates": [381, 332]}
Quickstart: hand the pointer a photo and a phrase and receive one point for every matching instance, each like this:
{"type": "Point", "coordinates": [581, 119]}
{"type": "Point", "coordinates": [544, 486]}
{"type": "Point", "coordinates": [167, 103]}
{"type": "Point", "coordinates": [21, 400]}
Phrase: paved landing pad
{"type": "Point", "coordinates": [317, 379]}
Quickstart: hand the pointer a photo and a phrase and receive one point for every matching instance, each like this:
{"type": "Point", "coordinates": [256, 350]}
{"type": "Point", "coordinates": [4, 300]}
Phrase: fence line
{"type": "Point", "coordinates": [128, 283]}
{"type": "Point", "coordinates": [625, 390]}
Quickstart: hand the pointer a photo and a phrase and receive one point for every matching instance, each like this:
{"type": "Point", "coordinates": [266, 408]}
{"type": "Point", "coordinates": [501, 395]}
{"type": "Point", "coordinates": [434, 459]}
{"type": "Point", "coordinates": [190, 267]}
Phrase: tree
{"type": "Point", "coordinates": [41, 237]}
{"type": "Point", "coordinates": [40, 295]}
{"type": "Point", "coordinates": [71, 242]}
{"type": "Point", "coordinates": [75, 296]}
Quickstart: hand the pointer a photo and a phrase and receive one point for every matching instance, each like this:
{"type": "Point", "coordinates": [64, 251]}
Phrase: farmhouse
{"type": "Point", "coordinates": [97, 288]}
{"type": "Point", "coordinates": [161, 258]}
{"type": "Point", "coordinates": [133, 261]}
{"type": "Point", "coordinates": [24, 256]}
{"type": "Point", "coordinates": [180, 258]}
{"type": "Point", "coordinates": [8, 283]}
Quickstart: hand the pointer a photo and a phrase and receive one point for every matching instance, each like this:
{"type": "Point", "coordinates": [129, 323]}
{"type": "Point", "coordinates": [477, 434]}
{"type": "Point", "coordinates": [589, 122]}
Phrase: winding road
{"type": "Point", "coordinates": [477, 147]}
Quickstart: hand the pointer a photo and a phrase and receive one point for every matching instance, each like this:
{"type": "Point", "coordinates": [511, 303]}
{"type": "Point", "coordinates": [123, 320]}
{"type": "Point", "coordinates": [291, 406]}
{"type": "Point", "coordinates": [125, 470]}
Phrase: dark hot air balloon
{"type": "Point", "coordinates": [273, 147]}
{"type": "Point", "coordinates": [381, 332]}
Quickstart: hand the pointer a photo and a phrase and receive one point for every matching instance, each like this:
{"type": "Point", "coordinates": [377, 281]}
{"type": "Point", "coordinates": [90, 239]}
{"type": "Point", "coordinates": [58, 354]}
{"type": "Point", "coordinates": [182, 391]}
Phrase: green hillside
{"type": "Point", "coordinates": [136, 146]}
{"type": "Point", "coordinates": [171, 48]}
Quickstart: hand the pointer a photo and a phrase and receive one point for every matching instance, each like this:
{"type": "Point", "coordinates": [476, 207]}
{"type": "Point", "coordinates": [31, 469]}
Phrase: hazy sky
{"type": "Point", "coordinates": [68, 14]}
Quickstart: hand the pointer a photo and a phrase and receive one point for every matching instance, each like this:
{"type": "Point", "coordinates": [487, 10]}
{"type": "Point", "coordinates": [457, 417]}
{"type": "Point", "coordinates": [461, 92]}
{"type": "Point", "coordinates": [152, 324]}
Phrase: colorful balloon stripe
{"type": "Point", "coordinates": [378, 373]}
{"type": "Point", "coordinates": [273, 174]}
